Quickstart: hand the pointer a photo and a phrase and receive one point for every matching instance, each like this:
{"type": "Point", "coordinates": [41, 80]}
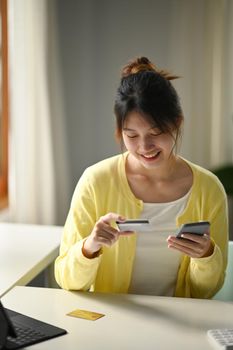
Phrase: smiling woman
{"type": "Point", "coordinates": [148, 181]}
{"type": "Point", "coordinates": [3, 107]}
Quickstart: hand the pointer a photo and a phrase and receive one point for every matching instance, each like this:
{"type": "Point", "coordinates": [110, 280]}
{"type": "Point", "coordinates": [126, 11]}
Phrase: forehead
{"type": "Point", "coordinates": [136, 119]}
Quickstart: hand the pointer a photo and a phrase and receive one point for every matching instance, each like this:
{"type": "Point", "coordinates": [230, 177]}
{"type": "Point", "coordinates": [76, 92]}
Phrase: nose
{"type": "Point", "coordinates": [147, 144]}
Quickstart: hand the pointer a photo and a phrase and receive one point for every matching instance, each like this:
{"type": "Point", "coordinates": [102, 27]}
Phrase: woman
{"type": "Point", "coordinates": [151, 181]}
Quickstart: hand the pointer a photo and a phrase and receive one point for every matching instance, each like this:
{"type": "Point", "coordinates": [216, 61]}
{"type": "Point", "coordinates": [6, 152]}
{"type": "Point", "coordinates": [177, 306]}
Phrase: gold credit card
{"type": "Point", "coordinates": [88, 315]}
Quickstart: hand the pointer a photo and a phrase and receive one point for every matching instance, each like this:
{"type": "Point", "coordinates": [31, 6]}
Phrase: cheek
{"type": "Point", "coordinates": [167, 142]}
{"type": "Point", "coordinates": [128, 144]}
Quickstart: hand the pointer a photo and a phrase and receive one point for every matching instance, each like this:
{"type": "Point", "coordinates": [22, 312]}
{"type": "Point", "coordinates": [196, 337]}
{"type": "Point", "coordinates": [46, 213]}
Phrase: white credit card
{"type": "Point", "coordinates": [133, 225]}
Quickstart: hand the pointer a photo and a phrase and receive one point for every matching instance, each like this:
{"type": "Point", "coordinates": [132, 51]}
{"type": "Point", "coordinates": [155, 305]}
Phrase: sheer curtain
{"type": "Point", "coordinates": [38, 178]}
{"type": "Point", "coordinates": [202, 53]}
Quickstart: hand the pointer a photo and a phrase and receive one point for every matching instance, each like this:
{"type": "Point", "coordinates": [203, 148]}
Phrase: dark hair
{"type": "Point", "coordinates": [147, 90]}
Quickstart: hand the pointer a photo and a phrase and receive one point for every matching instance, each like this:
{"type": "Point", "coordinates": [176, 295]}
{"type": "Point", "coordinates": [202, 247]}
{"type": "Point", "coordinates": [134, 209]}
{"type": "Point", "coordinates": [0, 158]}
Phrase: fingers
{"type": "Point", "coordinates": [192, 245]}
{"type": "Point", "coordinates": [111, 217]}
{"type": "Point", "coordinates": [103, 233]}
{"type": "Point", "coordinates": [126, 233]}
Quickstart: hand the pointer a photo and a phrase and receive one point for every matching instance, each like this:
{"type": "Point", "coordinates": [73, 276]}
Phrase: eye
{"type": "Point", "coordinates": [131, 136]}
{"type": "Point", "coordinates": [156, 132]}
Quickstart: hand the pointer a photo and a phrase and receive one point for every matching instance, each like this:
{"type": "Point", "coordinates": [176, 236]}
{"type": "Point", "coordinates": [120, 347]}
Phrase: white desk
{"type": "Point", "coordinates": [25, 251]}
{"type": "Point", "coordinates": [131, 321]}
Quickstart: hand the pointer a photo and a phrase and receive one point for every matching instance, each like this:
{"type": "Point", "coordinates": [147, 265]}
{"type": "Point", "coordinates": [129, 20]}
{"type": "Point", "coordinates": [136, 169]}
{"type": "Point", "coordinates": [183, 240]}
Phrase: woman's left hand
{"type": "Point", "coordinates": [192, 245]}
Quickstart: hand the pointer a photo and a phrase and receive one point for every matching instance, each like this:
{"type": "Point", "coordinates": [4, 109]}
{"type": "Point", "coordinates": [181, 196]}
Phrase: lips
{"type": "Point", "coordinates": [150, 156]}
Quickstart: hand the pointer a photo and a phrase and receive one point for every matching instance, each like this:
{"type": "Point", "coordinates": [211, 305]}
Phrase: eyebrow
{"type": "Point", "coordinates": [128, 129]}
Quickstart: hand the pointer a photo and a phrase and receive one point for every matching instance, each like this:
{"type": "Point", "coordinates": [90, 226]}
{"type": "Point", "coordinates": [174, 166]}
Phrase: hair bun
{"type": "Point", "coordinates": [144, 64]}
{"type": "Point", "coordinates": [138, 65]}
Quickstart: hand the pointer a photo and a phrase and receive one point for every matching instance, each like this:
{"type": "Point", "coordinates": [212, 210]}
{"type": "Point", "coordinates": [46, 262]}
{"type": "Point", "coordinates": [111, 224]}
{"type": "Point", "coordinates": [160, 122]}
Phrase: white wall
{"type": "Point", "coordinates": [190, 38]}
{"type": "Point", "coordinates": [96, 39]}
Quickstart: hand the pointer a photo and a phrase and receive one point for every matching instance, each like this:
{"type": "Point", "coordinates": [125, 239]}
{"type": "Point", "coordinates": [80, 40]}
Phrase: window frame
{"type": "Point", "coordinates": [5, 106]}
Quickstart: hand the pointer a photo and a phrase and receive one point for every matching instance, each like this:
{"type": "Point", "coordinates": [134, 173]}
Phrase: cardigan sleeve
{"type": "Point", "coordinates": [203, 277]}
{"type": "Point", "coordinates": [72, 269]}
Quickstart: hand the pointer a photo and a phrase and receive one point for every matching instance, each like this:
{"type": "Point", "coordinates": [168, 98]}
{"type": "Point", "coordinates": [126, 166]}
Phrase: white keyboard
{"type": "Point", "coordinates": [221, 338]}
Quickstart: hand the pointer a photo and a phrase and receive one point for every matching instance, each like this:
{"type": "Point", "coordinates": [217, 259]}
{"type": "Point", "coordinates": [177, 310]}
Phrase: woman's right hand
{"type": "Point", "coordinates": [103, 234]}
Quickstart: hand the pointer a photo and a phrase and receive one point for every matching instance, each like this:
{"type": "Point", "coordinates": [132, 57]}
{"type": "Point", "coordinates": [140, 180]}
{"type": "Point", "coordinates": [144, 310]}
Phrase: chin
{"type": "Point", "coordinates": [151, 165]}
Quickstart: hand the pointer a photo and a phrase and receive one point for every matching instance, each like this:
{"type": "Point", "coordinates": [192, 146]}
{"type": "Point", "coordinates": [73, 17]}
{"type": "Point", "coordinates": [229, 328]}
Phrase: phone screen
{"type": "Point", "coordinates": [197, 228]}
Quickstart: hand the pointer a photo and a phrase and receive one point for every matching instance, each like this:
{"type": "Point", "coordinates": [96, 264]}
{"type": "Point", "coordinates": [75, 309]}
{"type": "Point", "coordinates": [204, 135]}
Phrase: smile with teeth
{"type": "Point", "coordinates": [149, 156]}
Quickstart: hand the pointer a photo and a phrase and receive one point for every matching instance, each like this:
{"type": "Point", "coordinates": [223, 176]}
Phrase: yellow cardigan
{"type": "Point", "coordinates": [104, 188]}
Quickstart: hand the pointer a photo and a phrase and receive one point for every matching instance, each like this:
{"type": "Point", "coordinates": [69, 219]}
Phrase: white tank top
{"type": "Point", "coordinates": [155, 266]}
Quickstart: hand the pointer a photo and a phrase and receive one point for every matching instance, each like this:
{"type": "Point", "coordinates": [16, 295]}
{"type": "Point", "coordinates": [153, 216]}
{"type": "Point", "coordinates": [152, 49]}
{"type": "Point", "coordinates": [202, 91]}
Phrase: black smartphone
{"type": "Point", "coordinates": [197, 228]}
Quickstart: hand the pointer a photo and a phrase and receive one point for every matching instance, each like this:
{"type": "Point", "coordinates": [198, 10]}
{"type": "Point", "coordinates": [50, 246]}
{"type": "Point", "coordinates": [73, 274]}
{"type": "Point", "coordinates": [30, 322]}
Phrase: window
{"type": "Point", "coordinates": [3, 106]}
